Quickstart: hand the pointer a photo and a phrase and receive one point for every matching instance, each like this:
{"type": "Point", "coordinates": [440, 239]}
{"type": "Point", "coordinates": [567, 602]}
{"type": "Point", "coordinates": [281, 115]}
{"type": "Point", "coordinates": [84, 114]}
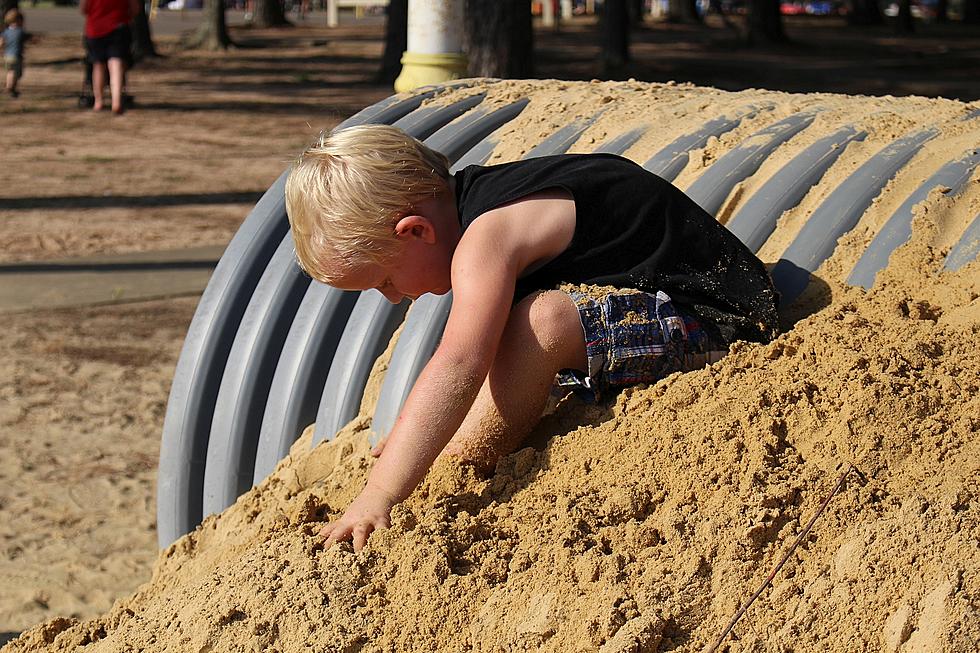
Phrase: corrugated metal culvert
{"type": "Point", "coordinates": [822, 187]}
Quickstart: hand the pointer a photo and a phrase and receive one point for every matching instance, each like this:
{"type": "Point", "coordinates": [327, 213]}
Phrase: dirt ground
{"type": "Point", "coordinates": [84, 390]}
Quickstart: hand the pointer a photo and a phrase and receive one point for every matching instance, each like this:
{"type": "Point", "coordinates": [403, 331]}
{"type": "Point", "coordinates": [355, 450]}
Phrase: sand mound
{"type": "Point", "coordinates": [644, 524]}
{"type": "Point", "coordinates": [638, 527]}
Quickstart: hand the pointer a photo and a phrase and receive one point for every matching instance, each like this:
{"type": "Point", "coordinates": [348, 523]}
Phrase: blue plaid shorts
{"type": "Point", "coordinates": [635, 337]}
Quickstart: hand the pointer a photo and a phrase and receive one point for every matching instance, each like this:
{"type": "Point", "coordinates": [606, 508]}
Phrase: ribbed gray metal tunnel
{"type": "Point", "coordinates": [268, 352]}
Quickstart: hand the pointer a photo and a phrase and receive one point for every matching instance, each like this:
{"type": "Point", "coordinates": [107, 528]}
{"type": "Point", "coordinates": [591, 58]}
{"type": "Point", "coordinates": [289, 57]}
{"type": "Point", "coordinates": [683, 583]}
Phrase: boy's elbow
{"type": "Point", "coordinates": [466, 367]}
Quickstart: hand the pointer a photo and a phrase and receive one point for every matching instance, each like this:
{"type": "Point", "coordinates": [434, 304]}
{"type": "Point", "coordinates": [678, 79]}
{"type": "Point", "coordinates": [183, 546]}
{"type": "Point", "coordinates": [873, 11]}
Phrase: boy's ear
{"type": "Point", "coordinates": [416, 226]}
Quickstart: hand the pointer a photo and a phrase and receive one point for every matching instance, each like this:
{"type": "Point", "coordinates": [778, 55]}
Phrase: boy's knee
{"type": "Point", "coordinates": [550, 321]}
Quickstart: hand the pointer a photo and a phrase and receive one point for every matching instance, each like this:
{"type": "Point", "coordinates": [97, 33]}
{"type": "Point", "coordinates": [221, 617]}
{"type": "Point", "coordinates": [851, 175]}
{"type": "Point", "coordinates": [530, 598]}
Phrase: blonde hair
{"type": "Point", "coordinates": [348, 190]}
{"type": "Point", "coordinates": [13, 16]}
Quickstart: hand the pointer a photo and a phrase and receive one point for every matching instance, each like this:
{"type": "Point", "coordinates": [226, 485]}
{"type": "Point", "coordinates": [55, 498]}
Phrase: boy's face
{"type": "Point", "coordinates": [422, 265]}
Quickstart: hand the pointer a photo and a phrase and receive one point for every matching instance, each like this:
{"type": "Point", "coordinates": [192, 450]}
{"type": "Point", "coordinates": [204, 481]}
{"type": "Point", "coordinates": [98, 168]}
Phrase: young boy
{"type": "Point", "coordinates": [13, 49]}
{"type": "Point", "coordinates": [371, 207]}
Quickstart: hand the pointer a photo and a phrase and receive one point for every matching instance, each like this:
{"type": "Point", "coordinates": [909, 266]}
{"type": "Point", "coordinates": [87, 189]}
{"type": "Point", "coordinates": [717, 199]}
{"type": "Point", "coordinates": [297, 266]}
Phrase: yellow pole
{"type": "Point", "coordinates": [435, 48]}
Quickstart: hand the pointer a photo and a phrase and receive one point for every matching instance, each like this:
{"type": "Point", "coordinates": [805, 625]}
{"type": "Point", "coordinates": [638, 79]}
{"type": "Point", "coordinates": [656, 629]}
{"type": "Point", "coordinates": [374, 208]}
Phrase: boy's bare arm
{"type": "Point", "coordinates": [486, 265]}
{"type": "Point", "coordinates": [440, 399]}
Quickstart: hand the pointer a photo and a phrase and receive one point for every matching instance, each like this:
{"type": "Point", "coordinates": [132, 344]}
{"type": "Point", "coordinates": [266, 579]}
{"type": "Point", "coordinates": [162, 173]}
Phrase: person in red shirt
{"type": "Point", "coordinates": [108, 41]}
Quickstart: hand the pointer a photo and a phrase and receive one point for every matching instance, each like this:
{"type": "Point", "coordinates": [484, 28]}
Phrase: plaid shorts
{"type": "Point", "coordinates": [635, 337]}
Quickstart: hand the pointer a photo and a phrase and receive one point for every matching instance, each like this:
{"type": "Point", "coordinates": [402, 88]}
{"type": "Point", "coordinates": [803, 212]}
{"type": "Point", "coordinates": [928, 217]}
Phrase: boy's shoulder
{"type": "Point", "coordinates": [525, 231]}
{"type": "Point", "coordinates": [551, 163]}
{"type": "Point", "coordinates": [481, 188]}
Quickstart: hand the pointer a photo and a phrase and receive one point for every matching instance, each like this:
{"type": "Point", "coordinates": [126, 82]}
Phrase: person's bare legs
{"type": "Point", "coordinates": [98, 83]}
{"type": "Point", "coordinates": [543, 335]}
{"type": "Point", "coordinates": [116, 71]}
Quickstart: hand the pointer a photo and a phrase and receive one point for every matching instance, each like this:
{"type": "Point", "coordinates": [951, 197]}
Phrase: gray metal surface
{"type": "Point", "coordinates": [477, 155]}
{"type": "Point", "coordinates": [459, 137]}
{"type": "Point", "coordinates": [756, 220]}
{"type": "Point", "coordinates": [561, 140]}
{"type": "Point", "coordinates": [711, 189]}
{"type": "Point", "coordinates": [621, 143]}
{"type": "Point", "coordinates": [246, 379]}
{"type": "Point", "coordinates": [898, 229]}
{"type": "Point", "coordinates": [388, 111]}
{"type": "Point", "coordinates": [301, 372]}
{"type": "Point", "coordinates": [966, 248]}
{"type": "Point", "coordinates": [839, 213]}
{"type": "Point", "coordinates": [425, 121]}
{"type": "Point", "coordinates": [671, 159]}
{"type": "Point", "coordinates": [369, 329]}
{"type": "Point", "coordinates": [190, 407]}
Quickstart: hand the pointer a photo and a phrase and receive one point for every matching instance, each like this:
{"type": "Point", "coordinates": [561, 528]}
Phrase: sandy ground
{"type": "Point", "coordinates": [84, 390]}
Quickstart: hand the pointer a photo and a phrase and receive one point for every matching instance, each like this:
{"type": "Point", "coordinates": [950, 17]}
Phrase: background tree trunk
{"type": "Point", "coordinates": [615, 31]}
{"type": "Point", "coordinates": [269, 13]}
{"type": "Point", "coordinates": [636, 11]}
{"type": "Point", "coordinates": [498, 39]}
{"type": "Point", "coordinates": [396, 41]}
{"type": "Point", "coordinates": [142, 38]}
{"type": "Point", "coordinates": [683, 11]}
{"type": "Point", "coordinates": [765, 22]}
{"type": "Point", "coordinates": [865, 12]}
{"type": "Point", "coordinates": [971, 12]}
{"type": "Point", "coordinates": [903, 22]}
{"type": "Point", "coordinates": [213, 32]}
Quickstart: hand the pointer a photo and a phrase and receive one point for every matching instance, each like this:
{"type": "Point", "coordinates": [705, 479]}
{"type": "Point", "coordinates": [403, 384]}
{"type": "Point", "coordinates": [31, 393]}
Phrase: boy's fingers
{"type": "Point", "coordinates": [336, 535]}
{"type": "Point", "coordinates": [378, 448]}
{"type": "Point", "coordinates": [360, 533]}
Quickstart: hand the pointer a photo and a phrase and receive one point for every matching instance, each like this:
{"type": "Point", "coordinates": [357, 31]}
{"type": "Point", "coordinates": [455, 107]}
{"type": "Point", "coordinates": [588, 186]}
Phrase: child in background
{"type": "Point", "coordinates": [13, 49]}
{"type": "Point", "coordinates": [582, 268]}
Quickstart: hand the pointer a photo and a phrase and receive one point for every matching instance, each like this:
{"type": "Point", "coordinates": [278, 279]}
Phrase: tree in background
{"type": "Point", "coordinates": [636, 8]}
{"type": "Point", "coordinates": [213, 32]}
{"type": "Point", "coordinates": [683, 11]}
{"type": "Point", "coordinates": [614, 28]}
{"type": "Point", "coordinates": [971, 12]}
{"type": "Point", "coordinates": [396, 41]}
{"type": "Point", "coordinates": [864, 12]}
{"type": "Point", "coordinates": [903, 22]}
{"type": "Point", "coordinates": [269, 13]}
{"type": "Point", "coordinates": [498, 39]}
{"type": "Point", "coordinates": [765, 23]}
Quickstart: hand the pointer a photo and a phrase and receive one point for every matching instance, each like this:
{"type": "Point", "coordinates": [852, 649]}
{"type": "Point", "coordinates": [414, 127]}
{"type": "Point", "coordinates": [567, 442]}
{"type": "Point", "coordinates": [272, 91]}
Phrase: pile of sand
{"type": "Point", "coordinates": [644, 524]}
{"type": "Point", "coordinates": [638, 527]}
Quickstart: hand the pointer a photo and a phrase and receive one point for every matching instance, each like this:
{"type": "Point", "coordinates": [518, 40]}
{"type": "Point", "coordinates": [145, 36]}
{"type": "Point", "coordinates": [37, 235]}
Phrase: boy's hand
{"type": "Point", "coordinates": [370, 511]}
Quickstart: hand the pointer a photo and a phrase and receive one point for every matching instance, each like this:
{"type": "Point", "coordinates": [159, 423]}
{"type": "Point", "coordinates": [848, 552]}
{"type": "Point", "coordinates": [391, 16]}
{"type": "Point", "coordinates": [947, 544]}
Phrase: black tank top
{"type": "Point", "coordinates": [634, 230]}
